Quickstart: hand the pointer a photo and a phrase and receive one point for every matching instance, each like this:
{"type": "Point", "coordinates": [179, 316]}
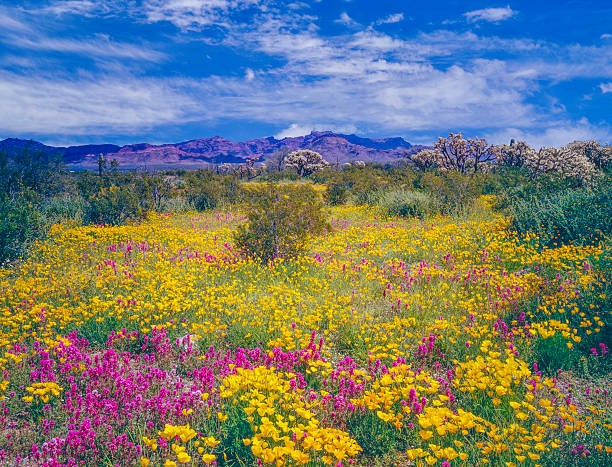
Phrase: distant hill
{"type": "Point", "coordinates": [335, 148]}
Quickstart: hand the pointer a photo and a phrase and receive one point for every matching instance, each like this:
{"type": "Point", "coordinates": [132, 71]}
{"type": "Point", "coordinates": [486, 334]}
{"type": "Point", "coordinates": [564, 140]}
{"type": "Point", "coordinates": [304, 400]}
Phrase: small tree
{"type": "Point", "coordinates": [305, 162]}
{"type": "Point", "coordinates": [281, 220]}
{"type": "Point", "coordinates": [115, 205]}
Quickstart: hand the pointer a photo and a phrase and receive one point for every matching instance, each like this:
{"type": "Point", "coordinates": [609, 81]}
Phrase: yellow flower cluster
{"type": "Point", "coordinates": [284, 422]}
{"type": "Point", "coordinates": [44, 391]}
{"type": "Point", "coordinates": [183, 453]}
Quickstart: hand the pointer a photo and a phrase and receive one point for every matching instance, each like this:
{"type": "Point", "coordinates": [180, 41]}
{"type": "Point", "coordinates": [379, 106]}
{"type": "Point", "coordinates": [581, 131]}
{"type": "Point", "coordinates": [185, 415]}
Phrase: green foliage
{"type": "Point", "coordinates": [454, 192]}
{"type": "Point", "coordinates": [280, 221]}
{"type": "Point", "coordinates": [22, 223]}
{"type": "Point", "coordinates": [406, 203]}
{"type": "Point", "coordinates": [355, 184]}
{"type": "Point", "coordinates": [552, 354]}
{"type": "Point", "coordinates": [155, 190]}
{"type": "Point", "coordinates": [65, 208]}
{"type": "Point", "coordinates": [377, 437]}
{"type": "Point", "coordinates": [581, 215]}
{"type": "Point", "coordinates": [337, 193]}
{"type": "Point", "coordinates": [206, 190]}
{"type": "Point", "coordinates": [25, 181]}
{"type": "Point", "coordinates": [40, 172]}
{"type": "Point", "coordinates": [88, 184]}
{"type": "Point", "coordinates": [114, 205]}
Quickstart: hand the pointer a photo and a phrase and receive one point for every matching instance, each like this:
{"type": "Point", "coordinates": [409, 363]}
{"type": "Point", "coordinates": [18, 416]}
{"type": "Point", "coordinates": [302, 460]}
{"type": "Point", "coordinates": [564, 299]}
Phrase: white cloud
{"type": "Point", "coordinates": [187, 14]}
{"type": "Point", "coordinates": [606, 36]}
{"type": "Point", "coordinates": [391, 19]}
{"type": "Point", "coordinates": [8, 22]}
{"type": "Point", "coordinates": [296, 129]}
{"type": "Point", "coordinates": [386, 101]}
{"type": "Point", "coordinates": [346, 19]}
{"type": "Point", "coordinates": [88, 8]}
{"type": "Point", "coordinates": [363, 79]}
{"type": "Point", "coordinates": [34, 35]}
{"type": "Point", "coordinates": [86, 104]}
{"type": "Point", "coordinates": [605, 87]}
{"type": "Point", "coordinates": [490, 14]}
{"type": "Point", "coordinates": [184, 14]}
{"type": "Point", "coordinates": [101, 46]}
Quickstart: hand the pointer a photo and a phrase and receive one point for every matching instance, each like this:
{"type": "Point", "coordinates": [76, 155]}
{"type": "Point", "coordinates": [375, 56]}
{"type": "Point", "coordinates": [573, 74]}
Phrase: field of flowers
{"type": "Point", "coordinates": [392, 342]}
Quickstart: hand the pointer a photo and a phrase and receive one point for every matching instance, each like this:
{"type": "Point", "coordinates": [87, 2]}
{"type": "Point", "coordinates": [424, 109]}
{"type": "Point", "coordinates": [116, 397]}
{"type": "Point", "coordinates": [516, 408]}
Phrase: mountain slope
{"type": "Point", "coordinates": [335, 148]}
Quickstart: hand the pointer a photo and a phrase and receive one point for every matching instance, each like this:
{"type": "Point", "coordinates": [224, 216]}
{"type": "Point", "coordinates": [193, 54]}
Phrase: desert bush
{"type": "Point", "coordinates": [114, 205]}
{"type": "Point", "coordinates": [514, 154]}
{"type": "Point", "coordinates": [337, 193]}
{"type": "Point", "coordinates": [41, 172]}
{"type": "Point", "coordinates": [357, 184]}
{"type": "Point", "coordinates": [206, 190]}
{"type": "Point", "coordinates": [571, 215]}
{"type": "Point", "coordinates": [406, 203]}
{"type": "Point", "coordinates": [600, 156]}
{"type": "Point", "coordinates": [154, 191]}
{"type": "Point", "coordinates": [176, 204]}
{"type": "Point", "coordinates": [22, 223]}
{"type": "Point", "coordinates": [567, 163]}
{"type": "Point", "coordinates": [65, 208]}
{"type": "Point", "coordinates": [454, 192]}
{"type": "Point", "coordinates": [280, 220]}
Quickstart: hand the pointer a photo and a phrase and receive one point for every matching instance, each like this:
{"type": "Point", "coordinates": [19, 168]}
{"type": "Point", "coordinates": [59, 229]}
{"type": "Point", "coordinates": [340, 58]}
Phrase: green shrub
{"type": "Point", "coordinates": [67, 208]}
{"type": "Point", "coordinates": [115, 205]}
{"type": "Point", "coordinates": [572, 215]}
{"type": "Point", "coordinates": [405, 203]}
{"type": "Point", "coordinates": [454, 192]}
{"type": "Point", "coordinates": [353, 184]}
{"type": "Point", "coordinates": [22, 223]}
{"type": "Point", "coordinates": [280, 221]}
{"type": "Point", "coordinates": [336, 194]}
{"type": "Point", "coordinates": [203, 201]}
{"type": "Point", "coordinates": [176, 204]}
{"type": "Point", "coordinates": [552, 354]}
{"type": "Point", "coordinates": [207, 190]}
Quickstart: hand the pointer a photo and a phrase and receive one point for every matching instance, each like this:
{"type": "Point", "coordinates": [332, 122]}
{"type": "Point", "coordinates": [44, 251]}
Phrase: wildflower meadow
{"type": "Point", "coordinates": [444, 340]}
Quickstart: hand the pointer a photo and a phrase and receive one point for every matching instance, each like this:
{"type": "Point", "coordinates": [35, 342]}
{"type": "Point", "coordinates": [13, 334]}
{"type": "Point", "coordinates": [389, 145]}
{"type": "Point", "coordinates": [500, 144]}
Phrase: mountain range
{"type": "Point", "coordinates": [335, 148]}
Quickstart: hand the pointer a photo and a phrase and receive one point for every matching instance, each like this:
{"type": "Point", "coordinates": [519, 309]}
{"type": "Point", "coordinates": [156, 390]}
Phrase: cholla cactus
{"type": "Point", "coordinates": [427, 159]}
{"type": "Point", "coordinates": [305, 162]}
{"type": "Point", "coordinates": [463, 155]}
{"type": "Point", "coordinates": [513, 155]}
{"type": "Point", "coordinates": [224, 168]}
{"type": "Point", "coordinates": [565, 162]}
{"type": "Point", "coordinates": [600, 156]}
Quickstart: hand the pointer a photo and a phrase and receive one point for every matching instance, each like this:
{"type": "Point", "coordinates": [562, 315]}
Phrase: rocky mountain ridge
{"type": "Point", "coordinates": [335, 148]}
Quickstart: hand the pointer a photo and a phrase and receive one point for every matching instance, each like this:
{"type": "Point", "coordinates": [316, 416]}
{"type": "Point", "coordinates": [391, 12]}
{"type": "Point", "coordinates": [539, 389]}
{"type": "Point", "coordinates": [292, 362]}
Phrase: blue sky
{"type": "Point", "coordinates": [92, 71]}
